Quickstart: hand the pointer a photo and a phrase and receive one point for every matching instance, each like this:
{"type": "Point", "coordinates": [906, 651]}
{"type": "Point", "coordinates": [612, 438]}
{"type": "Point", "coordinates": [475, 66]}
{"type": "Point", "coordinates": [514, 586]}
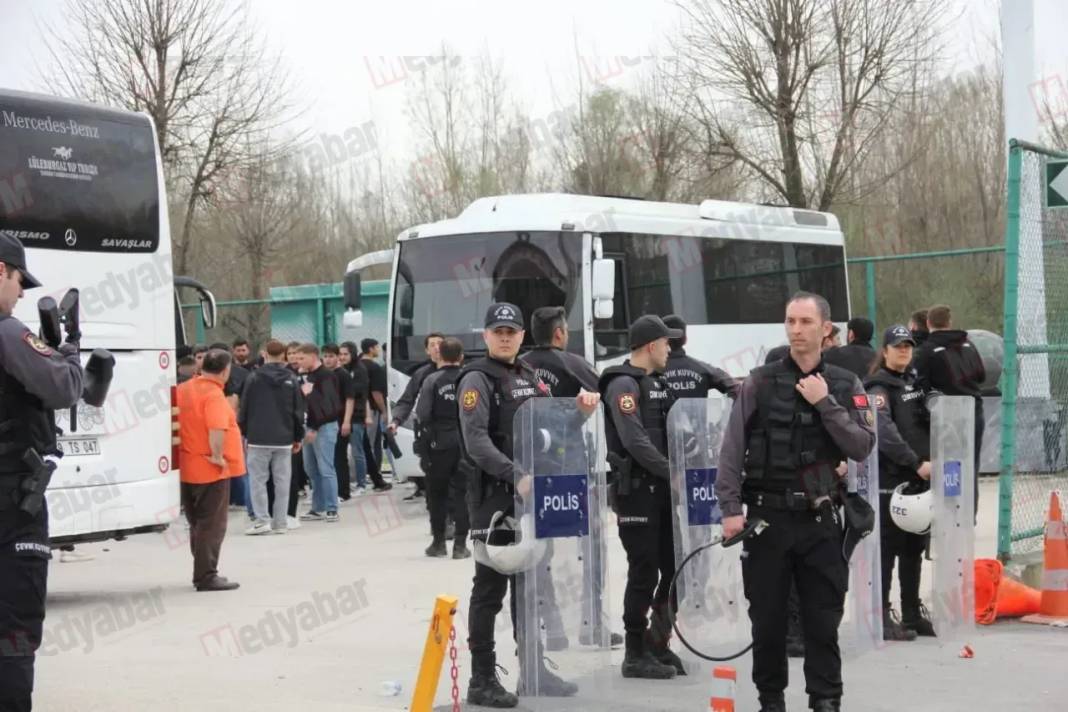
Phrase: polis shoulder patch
{"type": "Point", "coordinates": [470, 399]}
{"type": "Point", "coordinates": [860, 401]}
{"type": "Point", "coordinates": [627, 403]}
{"type": "Point", "coordinates": [880, 400]}
{"type": "Point", "coordinates": [35, 343]}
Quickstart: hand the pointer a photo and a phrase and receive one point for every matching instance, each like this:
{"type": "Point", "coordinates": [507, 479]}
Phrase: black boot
{"type": "Point", "coordinates": [484, 688]}
{"type": "Point", "coordinates": [773, 704]}
{"type": "Point", "coordinates": [545, 684]}
{"type": "Point", "coordinates": [659, 647]}
{"type": "Point", "coordinates": [639, 662]}
{"type": "Point", "coordinates": [459, 548]}
{"type": "Point", "coordinates": [918, 619]}
{"type": "Point", "coordinates": [892, 628]}
{"type": "Point", "coordinates": [437, 548]}
{"type": "Point", "coordinates": [825, 705]}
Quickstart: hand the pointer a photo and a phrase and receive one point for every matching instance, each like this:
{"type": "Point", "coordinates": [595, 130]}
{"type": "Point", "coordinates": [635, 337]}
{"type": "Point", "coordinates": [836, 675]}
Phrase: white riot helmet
{"type": "Point", "coordinates": [513, 558]}
{"type": "Point", "coordinates": [912, 510]}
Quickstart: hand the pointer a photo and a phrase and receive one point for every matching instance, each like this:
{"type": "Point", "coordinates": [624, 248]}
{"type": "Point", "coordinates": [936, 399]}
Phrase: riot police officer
{"type": "Point", "coordinates": [491, 391]}
{"type": "Point", "coordinates": [638, 399]}
{"type": "Point", "coordinates": [689, 377]}
{"type": "Point", "coordinates": [792, 424]}
{"type": "Point", "coordinates": [904, 457]}
{"type": "Point", "coordinates": [439, 430]}
{"type": "Point", "coordinates": [35, 380]}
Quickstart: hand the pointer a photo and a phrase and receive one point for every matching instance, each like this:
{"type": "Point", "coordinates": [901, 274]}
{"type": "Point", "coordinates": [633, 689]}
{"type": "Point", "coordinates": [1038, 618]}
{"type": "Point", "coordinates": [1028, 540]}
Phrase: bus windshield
{"type": "Point", "coordinates": [445, 284]}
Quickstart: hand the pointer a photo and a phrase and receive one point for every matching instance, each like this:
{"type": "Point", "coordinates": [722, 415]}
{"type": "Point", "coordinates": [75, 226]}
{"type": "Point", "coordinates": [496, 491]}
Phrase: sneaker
{"type": "Point", "coordinates": [312, 516]}
{"type": "Point", "coordinates": [385, 487]}
{"type": "Point", "coordinates": [279, 530]}
{"type": "Point", "coordinates": [292, 523]}
{"type": "Point", "coordinates": [260, 527]}
{"type": "Point", "coordinates": [74, 556]}
{"type": "Point", "coordinates": [437, 549]}
{"type": "Point", "coordinates": [418, 494]}
{"type": "Point", "coordinates": [919, 621]}
{"type": "Point", "coordinates": [892, 628]}
{"type": "Point", "coordinates": [359, 492]}
{"type": "Point", "coordinates": [332, 516]}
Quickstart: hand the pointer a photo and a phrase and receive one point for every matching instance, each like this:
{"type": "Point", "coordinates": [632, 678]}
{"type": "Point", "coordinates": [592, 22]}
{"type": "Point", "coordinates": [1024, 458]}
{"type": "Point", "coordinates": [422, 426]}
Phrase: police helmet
{"type": "Point", "coordinates": [911, 508]}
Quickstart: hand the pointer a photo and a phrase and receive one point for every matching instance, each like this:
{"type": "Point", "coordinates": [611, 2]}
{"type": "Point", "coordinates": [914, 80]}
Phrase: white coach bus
{"type": "Point", "coordinates": [82, 186]}
{"type": "Point", "coordinates": [726, 268]}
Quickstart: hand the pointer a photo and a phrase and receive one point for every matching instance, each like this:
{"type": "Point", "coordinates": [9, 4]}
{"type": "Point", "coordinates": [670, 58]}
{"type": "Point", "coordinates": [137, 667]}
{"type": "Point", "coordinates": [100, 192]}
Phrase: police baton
{"type": "Point", "coordinates": [752, 528]}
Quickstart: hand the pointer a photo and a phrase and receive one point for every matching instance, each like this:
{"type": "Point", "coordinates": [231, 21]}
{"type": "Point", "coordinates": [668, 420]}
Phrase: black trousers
{"type": "Point", "coordinates": [445, 487]}
{"type": "Point", "coordinates": [796, 547]}
{"type": "Point", "coordinates": [906, 549]}
{"type": "Point", "coordinates": [24, 556]}
{"type": "Point", "coordinates": [297, 480]}
{"type": "Point", "coordinates": [645, 529]}
{"type": "Point", "coordinates": [341, 466]}
{"type": "Point", "coordinates": [374, 470]}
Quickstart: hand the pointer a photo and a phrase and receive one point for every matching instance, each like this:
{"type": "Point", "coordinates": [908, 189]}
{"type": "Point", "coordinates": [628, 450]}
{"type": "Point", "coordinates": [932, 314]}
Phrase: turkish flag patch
{"type": "Point", "coordinates": [860, 401]}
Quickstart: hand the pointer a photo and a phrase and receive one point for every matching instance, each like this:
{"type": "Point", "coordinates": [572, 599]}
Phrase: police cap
{"type": "Point", "coordinates": [12, 253]}
{"type": "Point", "coordinates": [647, 329]}
{"type": "Point", "coordinates": [898, 334]}
{"type": "Point", "coordinates": [504, 314]}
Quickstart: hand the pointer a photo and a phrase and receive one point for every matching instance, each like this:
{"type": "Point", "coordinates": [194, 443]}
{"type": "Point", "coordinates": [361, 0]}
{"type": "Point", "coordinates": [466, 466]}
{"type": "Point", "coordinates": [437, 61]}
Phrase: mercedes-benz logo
{"type": "Point", "coordinates": [70, 237]}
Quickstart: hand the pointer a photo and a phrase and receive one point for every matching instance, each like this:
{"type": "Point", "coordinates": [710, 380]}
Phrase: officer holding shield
{"type": "Point", "coordinates": [793, 422]}
{"type": "Point", "coordinates": [35, 380]}
{"type": "Point", "coordinates": [491, 391]}
{"type": "Point", "coordinates": [638, 399]}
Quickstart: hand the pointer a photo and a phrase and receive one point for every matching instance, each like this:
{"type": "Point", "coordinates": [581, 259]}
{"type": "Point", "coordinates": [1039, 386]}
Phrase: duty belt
{"type": "Point", "coordinates": [792, 501]}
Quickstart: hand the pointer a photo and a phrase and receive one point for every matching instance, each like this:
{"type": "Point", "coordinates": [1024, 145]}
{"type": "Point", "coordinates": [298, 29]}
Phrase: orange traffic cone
{"type": "Point", "coordinates": [998, 596]}
{"type": "Point", "coordinates": [1053, 608]}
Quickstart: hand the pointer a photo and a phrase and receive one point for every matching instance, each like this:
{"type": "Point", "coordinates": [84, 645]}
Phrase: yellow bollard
{"type": "Point", "coordinates": [437, 643]}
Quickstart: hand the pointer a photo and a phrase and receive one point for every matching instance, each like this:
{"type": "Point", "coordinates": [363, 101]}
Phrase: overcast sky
{"type": "Point", "coordinates": [347, 57]}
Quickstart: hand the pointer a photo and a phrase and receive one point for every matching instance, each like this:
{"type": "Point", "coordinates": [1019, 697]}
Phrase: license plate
{"type": "Point", "coordinates": [74, 447]}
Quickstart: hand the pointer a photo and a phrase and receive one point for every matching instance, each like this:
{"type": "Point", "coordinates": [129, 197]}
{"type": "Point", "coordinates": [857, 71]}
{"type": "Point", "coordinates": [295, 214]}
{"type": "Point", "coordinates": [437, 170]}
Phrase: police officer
{"type": "Point", "coordinates": [439, 421]}
{"type": "Point", "coordinates": [689, 377]}
{"type": "Point", "coordinates": [792, 424]}
{"type": "Point", "coordinates": [403, 407]}
{"type": "Point", "coordinates": [638, 399]}
{"type": "Point", "coordinates": [491, 391]}
{"type": "Point", "coordinates": [35, 380]}
{"type": "Point", "coordinates": [567, 375]}
{"type": "Point", "coordinates": [904, 456]}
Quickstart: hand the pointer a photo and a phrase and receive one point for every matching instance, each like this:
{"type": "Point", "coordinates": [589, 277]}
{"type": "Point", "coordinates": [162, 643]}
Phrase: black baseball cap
{"type": "Point", "coordinates": [14, 254]}
{"type": "Point", "coordinates": [504, 314]}
{"type": "Point", "coordinates": [647, 329]}
{"type": "Point", "coordinates": [898, 334]}
{"type": "Point", "coordinates": [674, 321]}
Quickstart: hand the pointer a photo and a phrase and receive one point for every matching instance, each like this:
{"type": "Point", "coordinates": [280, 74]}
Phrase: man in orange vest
{"type": "Point", "coordinates": [211, 454]}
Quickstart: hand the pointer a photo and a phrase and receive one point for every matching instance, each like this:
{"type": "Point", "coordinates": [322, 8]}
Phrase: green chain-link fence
{"type": "Point", "coordinates": [1034, 442]}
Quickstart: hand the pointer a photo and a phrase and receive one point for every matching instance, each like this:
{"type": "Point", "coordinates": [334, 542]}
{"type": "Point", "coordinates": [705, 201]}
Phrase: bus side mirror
{"type": "Point", "coordinates": [353, 318]}
{"type": "Point", "coordinates": [603, 288]}
{"type": "Point", "coordinates": [208, 310]}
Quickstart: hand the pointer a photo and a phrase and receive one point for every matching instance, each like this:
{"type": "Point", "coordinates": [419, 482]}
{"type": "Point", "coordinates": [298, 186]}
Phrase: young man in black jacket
{"type": "Point", "coordinates": [948, 362]}
{"type": "Point", "coordinates": [271, 417]}
{"type": "Point", "coordinates": [322, 406]}
{"type": "Point", "coordinates": [857, 355]}
{"type": "Point", "coordinates": [332, 360]}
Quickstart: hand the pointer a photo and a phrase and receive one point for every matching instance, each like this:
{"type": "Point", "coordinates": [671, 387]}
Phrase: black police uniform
{"type": "Point", "coordinates": [405, 406]}
{"type": "Point", "coordinates": [437, 413]}
{"type": "Point", "coordinates": [563, 372]}
{"type": "Point", "coordinates": [689, 377]}
{"type": "Point", "coordinates": [904, 444]}
{"type": "Point", "coordinates": [35, 381]}
{"type": "Point", "coordinates": [789, 450]}
{"type": "Point", "coordinates": [636, 431]}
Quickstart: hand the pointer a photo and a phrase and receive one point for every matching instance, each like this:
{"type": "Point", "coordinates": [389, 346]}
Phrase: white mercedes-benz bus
{"type": "Point", "coordinates": [82, 187]}
{"type": "Point", "coordinates": [726, 268]}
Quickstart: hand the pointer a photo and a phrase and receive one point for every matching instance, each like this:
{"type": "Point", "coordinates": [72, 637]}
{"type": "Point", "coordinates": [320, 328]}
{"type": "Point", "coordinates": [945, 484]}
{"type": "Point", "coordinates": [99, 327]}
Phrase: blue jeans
{"type": "Point", "coordinates": [239, 494]}
{"type": "Point", "coordinates": [358, 457]}
{"type": "Point", "coordinates": [319, 465]}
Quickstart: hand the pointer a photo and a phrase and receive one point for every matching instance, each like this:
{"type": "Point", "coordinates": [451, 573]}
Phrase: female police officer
{"type": "Point", "coordinates": [904, 457]}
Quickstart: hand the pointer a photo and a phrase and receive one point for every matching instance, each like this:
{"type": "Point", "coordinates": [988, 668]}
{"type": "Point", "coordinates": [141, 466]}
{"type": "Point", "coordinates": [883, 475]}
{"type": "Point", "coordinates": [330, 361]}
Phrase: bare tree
{"type": "Point", "coordinates": [796, 90]}
{"type": "Point", "coordinates": [196, 67]}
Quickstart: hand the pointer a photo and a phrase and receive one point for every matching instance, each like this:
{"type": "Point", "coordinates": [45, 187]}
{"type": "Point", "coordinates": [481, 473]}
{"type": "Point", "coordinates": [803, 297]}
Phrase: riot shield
{"type": "Point", "coordinates": [861, 630]}
{"type": "Point", "coordinates": [712, 613]}
{"type": "Point", "coordinates": [952, 587]}
{"type": "Point", "coordinates": [561, 609]}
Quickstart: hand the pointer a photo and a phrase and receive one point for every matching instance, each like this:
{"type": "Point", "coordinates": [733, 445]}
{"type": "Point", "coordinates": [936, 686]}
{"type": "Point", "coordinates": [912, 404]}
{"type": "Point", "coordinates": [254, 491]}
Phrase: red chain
{"type": "Point", "coordinates": [454, 671]}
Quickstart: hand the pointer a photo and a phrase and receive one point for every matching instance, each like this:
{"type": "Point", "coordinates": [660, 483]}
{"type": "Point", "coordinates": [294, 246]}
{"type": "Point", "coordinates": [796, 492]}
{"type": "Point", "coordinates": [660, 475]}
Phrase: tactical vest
{"type": "Point", "coordinates": [789, 449]}
{"type": "Point", "coordinates": [686, 376]}
{"type": "Point", "coordinates": [908, 410]}
{"type": "Point", "coordinates": [444, 423]}
{"type": "Point", "coordinates": [550, 365]}
{"type": "Point", "coordinates": [512, 386]}
{"type": "Point", "coordinates": [24, 423]}
{"type": "Point", "coordinates": [654, 402]}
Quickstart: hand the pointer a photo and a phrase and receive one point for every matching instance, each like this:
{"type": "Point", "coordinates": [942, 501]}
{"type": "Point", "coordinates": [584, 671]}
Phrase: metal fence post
{"type": "Point", "coordinates": [320, 320]}
{"type": "Point", "coordinates": [869, 288]}
{"type": "Point", "coordinates": [1009, 372]}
